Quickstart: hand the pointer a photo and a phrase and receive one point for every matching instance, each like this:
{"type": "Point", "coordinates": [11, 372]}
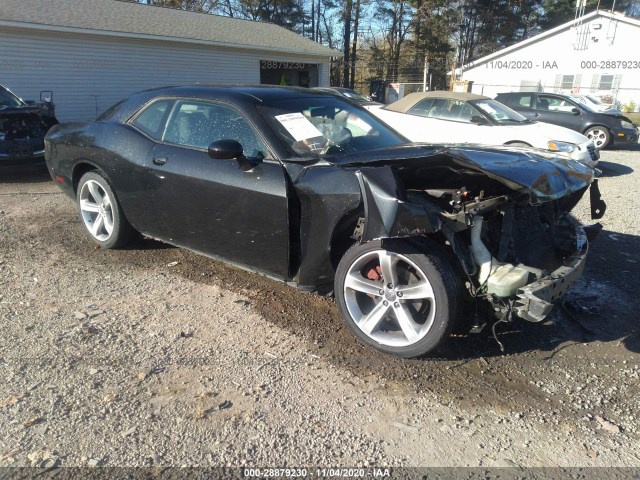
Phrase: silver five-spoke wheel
{"type": "Point", "coordinates": [97, 210]}
{"type": "Point", "coordinates": [101, 212]}
{"type": "Point", "coordinates": [389, 298]}
{"type": "Point", "coordinates": [397, 297]}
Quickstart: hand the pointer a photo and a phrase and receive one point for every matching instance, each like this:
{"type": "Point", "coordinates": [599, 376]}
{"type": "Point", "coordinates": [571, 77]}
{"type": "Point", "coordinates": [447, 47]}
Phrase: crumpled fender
{"type": "Point", "coordinates": [386, 213]}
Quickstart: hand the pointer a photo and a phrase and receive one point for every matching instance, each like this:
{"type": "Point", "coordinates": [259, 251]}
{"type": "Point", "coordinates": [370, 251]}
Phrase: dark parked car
{"type": "Point", "coordinates": [313, 190]}
{"type": "Point", "coordinates": [603, 128]}
{"type": "Point", "coordinates": [350, 94]}
{"type": "Point", "coordinates": [22, 129]}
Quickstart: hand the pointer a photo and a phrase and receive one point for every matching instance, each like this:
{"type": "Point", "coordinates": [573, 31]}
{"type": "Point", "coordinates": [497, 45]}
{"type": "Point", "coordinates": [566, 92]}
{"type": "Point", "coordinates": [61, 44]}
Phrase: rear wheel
{"type": "Point", "coordinates": [101, 213]}
{"type": "Point", "coordinates": [396, 298]}
{"type": "Point", "coordinates": [600, 136]}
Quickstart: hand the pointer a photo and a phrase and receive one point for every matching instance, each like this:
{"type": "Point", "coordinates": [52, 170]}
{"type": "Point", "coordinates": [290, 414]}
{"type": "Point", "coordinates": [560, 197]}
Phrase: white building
{"type": "Point", "coordinates": [594, 54]}
{"type": "Point", "coordinates": [93, 53]}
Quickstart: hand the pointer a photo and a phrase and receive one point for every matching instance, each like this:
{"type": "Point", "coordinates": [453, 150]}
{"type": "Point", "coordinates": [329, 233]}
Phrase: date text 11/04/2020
{"type": "Point", "coordinates": [553, 64]}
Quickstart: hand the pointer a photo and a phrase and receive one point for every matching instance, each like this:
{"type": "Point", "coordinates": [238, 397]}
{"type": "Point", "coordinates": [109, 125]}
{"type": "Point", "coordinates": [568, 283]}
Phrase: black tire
{"type": "Point", "coordinates": [600, 135]}
{"type": "Point", "coordinates": [431, 324]}
{"type": "Point", "coordinates": [96, 200]}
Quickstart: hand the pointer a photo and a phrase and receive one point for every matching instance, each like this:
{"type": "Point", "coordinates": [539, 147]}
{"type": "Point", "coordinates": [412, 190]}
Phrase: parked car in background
{"type": "Point", "coordinates": [602, 128]}
{"type": "Point", "coordinates": [314, 190]}
{"type": "Point", "coordinates": [23, 125]}
{"type": "Point", "coordinates": [453, 117]}
{"type": "Point", "coordinates": [596, 104]}
{"type": "Point", "coordinates": [350, 94]}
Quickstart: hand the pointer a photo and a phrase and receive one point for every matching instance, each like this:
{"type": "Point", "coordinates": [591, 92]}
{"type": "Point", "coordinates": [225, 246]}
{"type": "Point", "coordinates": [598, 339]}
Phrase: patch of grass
{"type": "Point", "coordinates": [634, 117]}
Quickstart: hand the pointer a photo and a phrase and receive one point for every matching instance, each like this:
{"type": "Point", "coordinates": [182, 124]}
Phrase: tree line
{"type": "Point", "coordinates": [398, 40]}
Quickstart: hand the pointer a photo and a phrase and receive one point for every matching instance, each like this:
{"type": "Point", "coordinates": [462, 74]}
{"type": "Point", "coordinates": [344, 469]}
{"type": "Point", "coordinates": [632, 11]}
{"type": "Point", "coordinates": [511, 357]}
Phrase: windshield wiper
{"type": "Point", "coordinates": [526, 120]}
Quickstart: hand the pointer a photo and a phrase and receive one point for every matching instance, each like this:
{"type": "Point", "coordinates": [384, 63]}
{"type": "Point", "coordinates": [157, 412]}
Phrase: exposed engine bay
{"type": "Point", "coordinates": [519, 247]}
{"type": "Point", "coordinates": [22, 129]}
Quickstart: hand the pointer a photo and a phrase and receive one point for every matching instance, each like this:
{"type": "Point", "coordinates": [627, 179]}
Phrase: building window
{"type": "Point", "coordinates": [606, 82]}
{"type": "Point", "coordinates": [567, 82]}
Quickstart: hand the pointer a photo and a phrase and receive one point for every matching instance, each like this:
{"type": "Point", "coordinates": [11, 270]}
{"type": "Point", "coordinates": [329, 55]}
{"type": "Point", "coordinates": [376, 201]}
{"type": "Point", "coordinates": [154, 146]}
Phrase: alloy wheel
{"type": "Point", "coordinates": [389, 298]}
{"type": "Point", "coordinates": [97, 210]}
{"type": "Point", "coordinates": [599, 135]}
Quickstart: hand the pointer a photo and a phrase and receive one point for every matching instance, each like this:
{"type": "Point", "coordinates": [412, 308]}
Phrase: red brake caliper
{"type": "Point", "coordinates": [375, 274]}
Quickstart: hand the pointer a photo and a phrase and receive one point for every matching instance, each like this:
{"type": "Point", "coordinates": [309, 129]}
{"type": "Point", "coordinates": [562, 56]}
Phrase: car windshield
{"type": "Point", "coordinates": [499, 112]}
{"type": "Point", "coordinates": [313, 126]}
{"type": "Point", "coordinates": [354, 95]}
{"type": "Point", "coordinates": [8, 99]}
{"type": "Point", "coordinates": [594, 100]}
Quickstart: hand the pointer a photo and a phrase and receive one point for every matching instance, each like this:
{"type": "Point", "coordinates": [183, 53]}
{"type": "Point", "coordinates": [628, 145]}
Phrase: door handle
{"type": "Point", "coordinates": [159, 160]}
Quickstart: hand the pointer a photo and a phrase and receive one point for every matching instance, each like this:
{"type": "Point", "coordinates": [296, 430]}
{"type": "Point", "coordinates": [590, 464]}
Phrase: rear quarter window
{"type": "Point", "coordinates": [517, 101]}
{"type": "Point", "coordinates": [151, 120]}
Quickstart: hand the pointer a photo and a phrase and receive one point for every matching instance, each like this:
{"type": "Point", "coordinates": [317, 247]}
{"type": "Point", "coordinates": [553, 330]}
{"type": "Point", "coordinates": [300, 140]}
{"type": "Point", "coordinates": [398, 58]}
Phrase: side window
{"type": "Point", "coordinates": [199, 124]}
{"type": "Point", "coordinates": [422, 107]}
{"type": "Point", "coordinates": [555, 104]}
{"type": "Point", "coordinates": [517, 101]}
{"type": "Point", "coordinates": [524, 101]}
{"type": "Point", "coordinates": [150, 120]}
{"type": "Point", "coordinates": [450, 109]}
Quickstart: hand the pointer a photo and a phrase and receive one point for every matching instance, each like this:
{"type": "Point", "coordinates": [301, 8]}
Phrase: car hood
{"type": "Point", "coordinates": [544, 176]}
{"type": "Point", "coordinates": [616, 114]}
{"type": "Point", "coordinates": [551, 132]}
{"type": "Point", "coordinates": [27, 110]}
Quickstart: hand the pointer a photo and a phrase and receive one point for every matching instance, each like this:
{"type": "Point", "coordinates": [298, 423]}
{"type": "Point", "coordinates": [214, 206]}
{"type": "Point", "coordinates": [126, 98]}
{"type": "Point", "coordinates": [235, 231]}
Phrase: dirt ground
{"type": "Point", "coordinates": [155, 356]}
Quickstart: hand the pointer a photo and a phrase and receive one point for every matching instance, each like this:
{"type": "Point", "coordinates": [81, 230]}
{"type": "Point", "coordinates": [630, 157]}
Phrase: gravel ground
{"type": "Point", "coordinates": [154, 356]}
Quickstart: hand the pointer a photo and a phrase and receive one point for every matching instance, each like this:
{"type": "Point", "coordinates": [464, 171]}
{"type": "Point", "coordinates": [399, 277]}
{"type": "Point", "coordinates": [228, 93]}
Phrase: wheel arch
{"type": "Point", "coordinates": [82, 167]}
{"type": "Point", "coordinates": [341, 235]}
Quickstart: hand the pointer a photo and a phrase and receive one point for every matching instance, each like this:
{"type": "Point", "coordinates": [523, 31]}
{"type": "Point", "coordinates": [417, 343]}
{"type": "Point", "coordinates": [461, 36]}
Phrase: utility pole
{"type": "Point", "coordinates": [355, 45]}
{"type": "Point", "coordinates": [346, 41]}
{"type": "Point", "coordinates": [425, 72]}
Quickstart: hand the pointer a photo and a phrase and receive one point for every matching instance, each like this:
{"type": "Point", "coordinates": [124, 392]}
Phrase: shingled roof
{"type": "Point", "coordinates": [134, 20]}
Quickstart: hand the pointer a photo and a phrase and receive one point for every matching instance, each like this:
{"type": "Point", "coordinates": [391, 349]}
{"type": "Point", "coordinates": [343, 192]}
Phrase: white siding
{"type": "Point", "coordinates": [544, 62]}
{"type": "Point", "coordinates": [89, 73]}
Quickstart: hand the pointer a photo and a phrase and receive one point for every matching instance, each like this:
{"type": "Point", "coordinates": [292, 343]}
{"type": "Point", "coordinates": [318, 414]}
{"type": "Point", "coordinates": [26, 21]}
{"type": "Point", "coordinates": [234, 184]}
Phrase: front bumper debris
{"type": "Point", "coordinates": [534, 301]}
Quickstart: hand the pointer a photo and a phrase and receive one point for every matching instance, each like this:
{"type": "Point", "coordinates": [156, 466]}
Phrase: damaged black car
{"type": "Point", "coordinates": [23, 126]}
{"type": "Point", "coordinates": [304, 187]}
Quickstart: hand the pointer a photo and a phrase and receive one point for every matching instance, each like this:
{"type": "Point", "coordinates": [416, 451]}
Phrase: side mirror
{"type": "Point", "coordinates": [46, 96]}
{"type": "Point", "coordinates": [478, 120]}
{"type": "Point", "coordinates": [230, 150]}
{"type": "Point", "coordinates": [225, 150]}
{"type": "Point", "coordinates": [576, 111]}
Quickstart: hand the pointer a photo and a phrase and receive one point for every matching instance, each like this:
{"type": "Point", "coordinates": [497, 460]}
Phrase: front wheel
{"type": "Point", "coordinates": [396, 298]}
{"type": "Point", "coordinates": [600, 136]}
{"type": "Point", "coordinates": [101, 213]}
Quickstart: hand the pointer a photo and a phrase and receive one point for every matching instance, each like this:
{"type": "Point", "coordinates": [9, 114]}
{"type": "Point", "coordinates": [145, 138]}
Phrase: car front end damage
{"type": "Point", "coordinates": [504, 215]}
{"type": "Point", "coordinates": [22, 131]}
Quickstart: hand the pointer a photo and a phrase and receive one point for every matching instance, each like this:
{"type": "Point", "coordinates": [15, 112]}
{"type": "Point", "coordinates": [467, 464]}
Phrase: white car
{"type": "Point", "coordinates": [454, 117]}
{"type": "Point", "coordinates": [595, 104]}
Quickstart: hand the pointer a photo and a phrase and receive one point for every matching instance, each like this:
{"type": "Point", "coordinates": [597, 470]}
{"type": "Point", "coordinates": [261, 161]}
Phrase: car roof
{"type": "Point", "coordinates": [244, 94]}
{"type": "Point", "coordinates": [410, 100]}
{"type": "Point", "coordinates": [216, 90]}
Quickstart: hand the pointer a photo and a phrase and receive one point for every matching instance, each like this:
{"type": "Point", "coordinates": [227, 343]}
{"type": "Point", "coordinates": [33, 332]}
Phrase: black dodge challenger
{"type": "Point", "coordinates": [302, 186]}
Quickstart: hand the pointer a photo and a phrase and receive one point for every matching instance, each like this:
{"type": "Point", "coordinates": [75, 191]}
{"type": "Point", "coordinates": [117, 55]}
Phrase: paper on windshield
{"type": "Point", "coordinates": [487, 108]}
{"type": "Point", "coordinates": [298, 126]}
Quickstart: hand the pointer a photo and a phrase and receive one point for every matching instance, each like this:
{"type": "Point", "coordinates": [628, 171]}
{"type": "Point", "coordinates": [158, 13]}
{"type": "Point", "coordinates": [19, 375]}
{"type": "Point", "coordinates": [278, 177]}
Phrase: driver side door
{"type": "Point", "coordinates": [559, 111]}
{"type": "Point", "coordinates": [212, 206]}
